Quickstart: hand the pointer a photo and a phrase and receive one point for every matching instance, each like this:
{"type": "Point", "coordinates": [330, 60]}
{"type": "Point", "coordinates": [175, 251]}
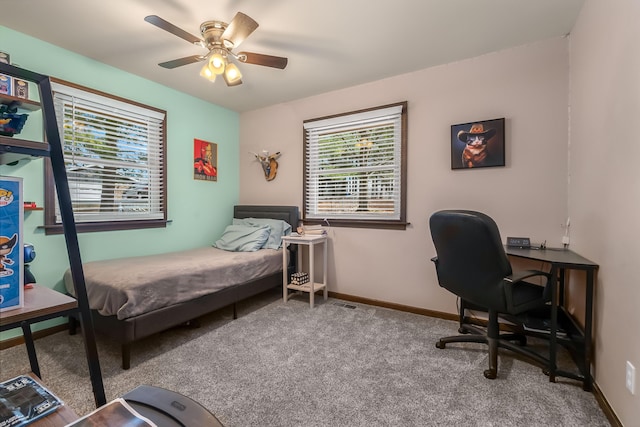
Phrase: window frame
{"type": "Point", "coordinates": [52, 227]}
{"type": "Point", "coordinates": [396, 224]}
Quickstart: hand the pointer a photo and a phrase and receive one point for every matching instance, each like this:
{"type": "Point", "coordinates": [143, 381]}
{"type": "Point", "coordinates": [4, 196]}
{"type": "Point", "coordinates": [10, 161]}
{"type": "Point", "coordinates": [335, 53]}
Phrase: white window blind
{"type": "Point", "coordinates": [113, 154]}
{"type": "Point", "coordinates": [353, 166]}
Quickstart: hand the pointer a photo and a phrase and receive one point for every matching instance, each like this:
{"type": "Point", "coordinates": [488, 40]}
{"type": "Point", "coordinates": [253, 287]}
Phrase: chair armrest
{"type": "Point", "coordinates": [519, 276]}
{"type": "Point", "coordinates": [514, 279]}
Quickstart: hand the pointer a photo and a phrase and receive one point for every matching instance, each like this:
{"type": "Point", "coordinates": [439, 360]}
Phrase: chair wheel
{"type": "Point", "coordinates": [490, 374]}
{"type": "Point", "coordinates": [440, 344]}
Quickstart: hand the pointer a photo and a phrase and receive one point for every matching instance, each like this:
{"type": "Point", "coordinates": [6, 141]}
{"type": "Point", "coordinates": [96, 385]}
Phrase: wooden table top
{"type": "Point", "coordinates": [38, 301]}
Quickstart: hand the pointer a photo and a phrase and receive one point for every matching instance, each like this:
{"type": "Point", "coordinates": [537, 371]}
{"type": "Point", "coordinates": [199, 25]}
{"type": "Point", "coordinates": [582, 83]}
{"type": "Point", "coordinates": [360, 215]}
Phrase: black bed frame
{"type": "Point", "coordinates": [127, 331]}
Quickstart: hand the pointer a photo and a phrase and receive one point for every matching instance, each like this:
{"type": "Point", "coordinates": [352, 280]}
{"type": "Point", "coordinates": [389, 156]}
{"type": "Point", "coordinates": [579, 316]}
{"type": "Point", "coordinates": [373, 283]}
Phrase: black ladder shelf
{"type": "Point", "coordinates": [12, 149]}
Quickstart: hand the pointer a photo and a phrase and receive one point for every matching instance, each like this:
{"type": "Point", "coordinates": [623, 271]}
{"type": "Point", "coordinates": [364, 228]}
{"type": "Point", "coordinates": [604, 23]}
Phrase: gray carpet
{"type": "Point", "coordinates": [284, 364]}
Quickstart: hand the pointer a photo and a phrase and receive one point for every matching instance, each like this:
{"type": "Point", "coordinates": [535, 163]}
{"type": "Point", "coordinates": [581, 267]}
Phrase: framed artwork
{"type": "Point", "coordinates": [477, 144]}
{"type": "Point", "coordinates": [205, 160]}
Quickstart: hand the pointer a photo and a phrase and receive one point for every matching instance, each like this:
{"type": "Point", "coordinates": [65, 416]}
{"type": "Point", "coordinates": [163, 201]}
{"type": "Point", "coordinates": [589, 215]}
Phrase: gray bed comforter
{"type": "Point", "coordinates": [129, 287]}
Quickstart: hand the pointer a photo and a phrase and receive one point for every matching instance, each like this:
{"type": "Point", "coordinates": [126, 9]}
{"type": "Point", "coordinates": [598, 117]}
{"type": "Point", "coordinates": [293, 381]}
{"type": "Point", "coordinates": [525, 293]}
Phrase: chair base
{"type": "Point", "coordinates": [472, 334]}
{"type": "Point", "coordinates": [512, 336]}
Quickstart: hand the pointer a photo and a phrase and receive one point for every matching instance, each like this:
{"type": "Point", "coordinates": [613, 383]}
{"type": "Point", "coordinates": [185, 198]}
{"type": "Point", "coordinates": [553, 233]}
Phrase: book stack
{"type": "Point", "coordinates": [312, 230]}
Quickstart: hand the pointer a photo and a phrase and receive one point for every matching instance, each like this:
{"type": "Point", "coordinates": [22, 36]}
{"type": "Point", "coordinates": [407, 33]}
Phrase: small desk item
{"type": "Point", "coordinates": [167, 408]}
{"type": "Point", "coordinates": [560, 261]}
{"type": "Point", "coordinates": [518, 242]}
{"type": "Point", "coordinates": [312, 286]}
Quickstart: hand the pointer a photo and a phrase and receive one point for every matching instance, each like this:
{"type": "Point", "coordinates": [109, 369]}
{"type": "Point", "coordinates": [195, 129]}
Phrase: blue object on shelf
{"type": "Point", "coordinates": [29, 253]}
{"type": "Point", "coordinates": [12, 123]}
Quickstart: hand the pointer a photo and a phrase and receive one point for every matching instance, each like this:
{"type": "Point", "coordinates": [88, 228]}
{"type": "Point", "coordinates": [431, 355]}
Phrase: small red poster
{"type": "Point", "coordinates": [205, 160]}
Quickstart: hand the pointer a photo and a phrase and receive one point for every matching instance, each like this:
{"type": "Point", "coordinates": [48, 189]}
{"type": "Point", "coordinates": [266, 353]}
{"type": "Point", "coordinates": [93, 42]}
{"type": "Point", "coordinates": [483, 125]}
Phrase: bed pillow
{"type": "Point", "coordinates": [243, 238]}
{"type": "Point", "coordinates": [277, 227]}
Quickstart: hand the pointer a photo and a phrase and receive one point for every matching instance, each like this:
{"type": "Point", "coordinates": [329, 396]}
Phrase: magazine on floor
{"type": "Point", "coordinates": [117, 413]}
{"type": "Point", "coordinates": [24, 400]}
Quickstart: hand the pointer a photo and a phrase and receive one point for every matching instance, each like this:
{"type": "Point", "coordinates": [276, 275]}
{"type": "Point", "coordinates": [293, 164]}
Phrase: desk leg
{"type": "Point", "coordinates": [31, 348]}
{"type": "Point", "coordinates": [324, 270]}
{"type": "Point", "coordinates": [588, 325]}
{"type": "Point", "coordinates": [285, 275]}
{"type": "Point", "coordinates": [554, 323]}
{"type": "Point", "coordinates": [312, 276]}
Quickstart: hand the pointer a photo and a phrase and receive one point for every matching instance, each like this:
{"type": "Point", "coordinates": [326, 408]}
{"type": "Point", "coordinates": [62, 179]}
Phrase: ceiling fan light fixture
{"type": "Point", "coordinates": [220, 39]}
{"type": "Point", "coordinates": [232, 75]}
{"type": "Point", "coordinates": [207, 73]}
{"type": "Point", "coordinates": [217, 63]}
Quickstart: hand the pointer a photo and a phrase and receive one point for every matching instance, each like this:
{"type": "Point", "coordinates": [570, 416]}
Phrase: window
{"type": "Point", "coordinates": [114, 152]}
{"type": "Point", "coordinates": [355, 168]}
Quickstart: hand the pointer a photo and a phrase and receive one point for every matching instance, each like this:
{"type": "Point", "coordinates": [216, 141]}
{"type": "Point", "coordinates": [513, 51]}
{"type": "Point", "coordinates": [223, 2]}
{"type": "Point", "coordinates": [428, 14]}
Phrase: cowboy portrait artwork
{"type": "Point", "coordinates": [477, 144]}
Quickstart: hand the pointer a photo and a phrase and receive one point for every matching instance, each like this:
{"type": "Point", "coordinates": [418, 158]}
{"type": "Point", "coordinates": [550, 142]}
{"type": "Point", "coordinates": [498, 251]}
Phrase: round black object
{"type": "Point", "coordinates": [28, 276]}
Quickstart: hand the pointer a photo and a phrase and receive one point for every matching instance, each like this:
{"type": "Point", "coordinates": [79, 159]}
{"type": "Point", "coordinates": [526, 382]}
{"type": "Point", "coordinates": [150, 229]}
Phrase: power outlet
{"type": "Point", "coordinates": [631, 378]}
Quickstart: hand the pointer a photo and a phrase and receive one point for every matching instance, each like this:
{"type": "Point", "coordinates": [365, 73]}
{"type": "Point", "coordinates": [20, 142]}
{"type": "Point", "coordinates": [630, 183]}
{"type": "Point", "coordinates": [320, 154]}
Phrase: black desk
{"type": "Point", "coordinates": [561, 260]}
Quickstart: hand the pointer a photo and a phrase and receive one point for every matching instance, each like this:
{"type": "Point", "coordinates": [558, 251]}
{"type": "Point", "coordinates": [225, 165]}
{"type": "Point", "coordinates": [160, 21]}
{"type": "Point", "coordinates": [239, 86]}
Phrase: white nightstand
{"type": "Point", "coordinates": [312, 286]}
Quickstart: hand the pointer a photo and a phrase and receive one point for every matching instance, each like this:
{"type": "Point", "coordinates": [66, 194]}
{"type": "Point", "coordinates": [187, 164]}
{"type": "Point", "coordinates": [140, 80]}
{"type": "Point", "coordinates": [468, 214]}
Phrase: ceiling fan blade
{"type": "Point", "coordinates": [239, 29]}
{"type": "Point", "coordinates": [168, 26]}
{"type": "Point", "coordinates": [181, 61]}
{"type": "Point", "coordinates": [266, 60]}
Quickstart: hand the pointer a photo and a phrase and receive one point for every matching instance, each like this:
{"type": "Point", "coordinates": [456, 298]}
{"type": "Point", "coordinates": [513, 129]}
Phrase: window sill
{"type": "Point", "coordinates": [385, 225]}
{"type": "Point", "coordinates": [107, 226]}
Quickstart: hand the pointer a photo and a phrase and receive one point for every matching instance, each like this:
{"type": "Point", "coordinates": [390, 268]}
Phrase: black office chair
{"type": "Point", "coordinates": [471, 263]}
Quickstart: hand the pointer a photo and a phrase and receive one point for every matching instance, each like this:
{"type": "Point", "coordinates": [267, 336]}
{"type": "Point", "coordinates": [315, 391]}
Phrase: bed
{"type": "Point", "coordinates": [133, 298]}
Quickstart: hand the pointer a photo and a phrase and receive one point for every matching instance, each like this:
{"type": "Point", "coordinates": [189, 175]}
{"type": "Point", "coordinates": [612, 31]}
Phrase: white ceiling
{"type": "Point", "coordinates": [331, 44]}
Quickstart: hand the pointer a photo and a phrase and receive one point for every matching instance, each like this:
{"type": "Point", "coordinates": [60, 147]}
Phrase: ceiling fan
{"type": "Point", "coordinates": [220, 39]}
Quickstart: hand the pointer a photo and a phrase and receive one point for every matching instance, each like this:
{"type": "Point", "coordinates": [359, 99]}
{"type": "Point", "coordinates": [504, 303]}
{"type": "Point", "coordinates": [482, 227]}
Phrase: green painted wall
{"type": "Point", "coordinates": [199, 210]}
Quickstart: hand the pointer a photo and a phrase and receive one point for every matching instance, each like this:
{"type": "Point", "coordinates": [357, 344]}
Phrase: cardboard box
{"type": "Point", "coordinates": [6, 85]}
{"type": "Point", "coordinates": [11, 252]}
{"type": "Point", "coordinates": [20, 88]}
